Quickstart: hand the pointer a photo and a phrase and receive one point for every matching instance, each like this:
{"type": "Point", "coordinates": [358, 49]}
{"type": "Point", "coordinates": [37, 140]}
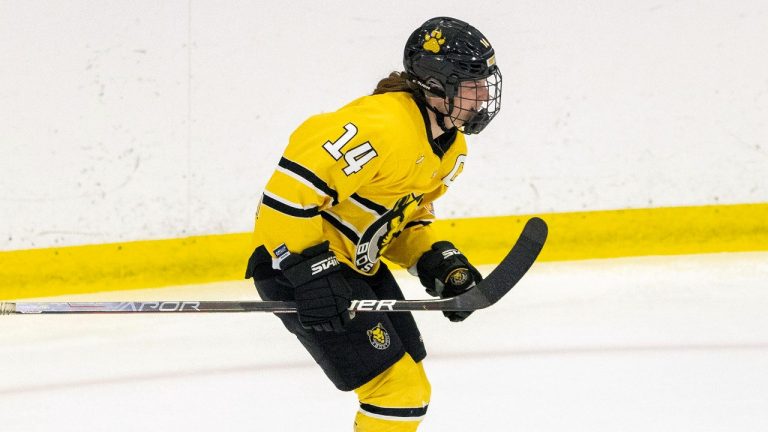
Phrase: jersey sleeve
{"type": "Point", "coordinates": [327, 159]}
{"type": "Point", "coordinates": [416, 238]}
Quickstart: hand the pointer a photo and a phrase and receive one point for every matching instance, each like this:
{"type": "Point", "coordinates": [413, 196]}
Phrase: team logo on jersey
{"type": "Point", "coordinates": [379, 337]}
{"type": "Point", "coordinates": [433, 41]}
{"type": "Point", "coordinates": [380, 233]}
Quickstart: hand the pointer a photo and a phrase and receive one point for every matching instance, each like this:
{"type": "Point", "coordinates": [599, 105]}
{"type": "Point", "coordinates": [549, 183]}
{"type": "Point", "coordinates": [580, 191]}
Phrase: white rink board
{"type": "Point", "coordinates": [144, 120]}
{"type": "Point", "coordinates": [636, 344]}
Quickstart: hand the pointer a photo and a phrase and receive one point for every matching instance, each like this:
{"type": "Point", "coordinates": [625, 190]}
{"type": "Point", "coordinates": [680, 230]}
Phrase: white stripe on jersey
{"type": "Point", "coordinates": [303, 181]}
{"type": "Point", "coordinates": [343, 222]}
{"type": "Point", "coordinates": [364, 207]}
{"type": "Point", "coordinates": [390, 418]}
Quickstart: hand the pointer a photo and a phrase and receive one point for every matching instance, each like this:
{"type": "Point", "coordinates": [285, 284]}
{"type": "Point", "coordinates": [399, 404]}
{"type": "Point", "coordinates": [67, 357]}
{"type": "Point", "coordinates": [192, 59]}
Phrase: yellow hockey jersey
{"type": "Point", "coordinates": [363, 177]}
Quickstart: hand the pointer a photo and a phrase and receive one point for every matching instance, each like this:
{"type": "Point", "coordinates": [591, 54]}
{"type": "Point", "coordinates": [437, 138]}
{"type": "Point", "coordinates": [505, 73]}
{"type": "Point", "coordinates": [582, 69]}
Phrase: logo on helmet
{"type": "Point", "coordinates": [432, 41]}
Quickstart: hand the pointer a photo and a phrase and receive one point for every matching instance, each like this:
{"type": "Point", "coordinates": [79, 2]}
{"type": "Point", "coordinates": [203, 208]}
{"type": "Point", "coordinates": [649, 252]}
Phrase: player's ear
{"type": "Point", "coordinates": [438, 103]}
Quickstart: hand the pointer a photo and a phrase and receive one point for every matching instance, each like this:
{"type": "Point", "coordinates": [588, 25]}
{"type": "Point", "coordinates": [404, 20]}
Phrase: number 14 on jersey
{"type": "Point", "coordinates": [356, 157]}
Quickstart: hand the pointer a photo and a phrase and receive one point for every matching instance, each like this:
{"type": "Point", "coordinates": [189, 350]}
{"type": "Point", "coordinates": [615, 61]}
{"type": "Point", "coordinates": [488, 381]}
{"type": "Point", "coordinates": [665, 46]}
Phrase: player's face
{"type": "Point", "coordinates": [471, 98]}
{"type": "Point", "coordinates": [475, 104]}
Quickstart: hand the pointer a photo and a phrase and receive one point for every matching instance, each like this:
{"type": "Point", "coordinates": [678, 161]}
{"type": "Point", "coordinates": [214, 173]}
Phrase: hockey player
{"type": "Point", "coordinates": [356, 185]}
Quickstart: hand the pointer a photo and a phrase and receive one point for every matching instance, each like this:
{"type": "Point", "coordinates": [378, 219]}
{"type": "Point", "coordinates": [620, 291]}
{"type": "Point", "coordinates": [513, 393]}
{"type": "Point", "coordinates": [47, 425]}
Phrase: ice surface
{"type": "Point", "coordinates": [638, 344]}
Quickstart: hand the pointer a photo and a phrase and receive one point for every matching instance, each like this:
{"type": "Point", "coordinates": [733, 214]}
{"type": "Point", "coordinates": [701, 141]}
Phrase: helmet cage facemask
{"type": "Point", "coordinates": [486, 101]}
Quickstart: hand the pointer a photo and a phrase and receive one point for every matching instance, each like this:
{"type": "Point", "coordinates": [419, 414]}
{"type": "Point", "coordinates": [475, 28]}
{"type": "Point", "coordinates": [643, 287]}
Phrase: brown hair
{"type": "Point", "coordinates": [395, 82]}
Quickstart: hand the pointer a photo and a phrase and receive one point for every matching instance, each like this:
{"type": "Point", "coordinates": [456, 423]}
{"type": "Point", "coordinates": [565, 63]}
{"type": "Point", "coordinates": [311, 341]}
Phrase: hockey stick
{"type": "Point", "coordinates": [502, 279]}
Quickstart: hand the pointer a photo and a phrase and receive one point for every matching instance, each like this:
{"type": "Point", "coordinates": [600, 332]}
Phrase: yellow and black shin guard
{"type": "Point", "coordinates": [396, 400]}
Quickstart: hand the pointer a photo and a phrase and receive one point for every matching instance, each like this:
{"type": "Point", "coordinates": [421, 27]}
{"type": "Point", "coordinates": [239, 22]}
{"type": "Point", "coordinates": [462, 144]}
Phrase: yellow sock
{"type": "Point", "coordinates": [396, 400]}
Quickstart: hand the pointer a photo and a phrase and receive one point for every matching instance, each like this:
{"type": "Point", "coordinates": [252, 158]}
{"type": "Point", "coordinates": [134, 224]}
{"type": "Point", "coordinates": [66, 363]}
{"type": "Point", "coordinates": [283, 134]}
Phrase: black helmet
{"type": "Point", "coordinates": [448, 58]}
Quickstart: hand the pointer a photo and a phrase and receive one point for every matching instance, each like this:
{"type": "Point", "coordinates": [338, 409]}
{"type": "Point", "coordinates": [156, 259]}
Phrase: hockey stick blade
{"type": "Point", "coordinates": [498, 283]}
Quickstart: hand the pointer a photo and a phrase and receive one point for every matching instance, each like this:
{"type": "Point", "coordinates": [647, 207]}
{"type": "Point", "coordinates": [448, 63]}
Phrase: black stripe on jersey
{"type": "Point", "coordinates": [310, 177]}
{"type": "Point", "coordinates": [378, 208]}
{"type": "Point", "coordinates": [290, 211]}
{"type": "Point", "coordinates": [348, 233]}
{"type": "Point", "coordinates": [394, 412]}
{"type": "Point", "coordinates": [416, 223]}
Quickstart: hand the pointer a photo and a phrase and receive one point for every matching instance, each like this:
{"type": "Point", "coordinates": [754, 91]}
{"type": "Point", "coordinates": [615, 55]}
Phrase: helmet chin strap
{"type": "Point", "coordinates": [422, 90]}
{"type": "Point", "coordinates": [440, 117]}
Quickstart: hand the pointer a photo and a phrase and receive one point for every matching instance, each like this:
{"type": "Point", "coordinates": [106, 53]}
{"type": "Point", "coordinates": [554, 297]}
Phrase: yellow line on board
{"type": "Point", "coordinates": [572, 236]}
{"type": "Point", "coordinates": [622, 233]}
{"type": "Point", "coordinates": [122, 266]}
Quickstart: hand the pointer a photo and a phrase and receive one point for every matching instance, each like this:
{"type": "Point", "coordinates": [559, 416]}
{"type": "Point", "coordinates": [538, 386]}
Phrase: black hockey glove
{"type": "Point", "coordinates": [322, 293]}
{"type": "Point", "coordinates": [445, 272]}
